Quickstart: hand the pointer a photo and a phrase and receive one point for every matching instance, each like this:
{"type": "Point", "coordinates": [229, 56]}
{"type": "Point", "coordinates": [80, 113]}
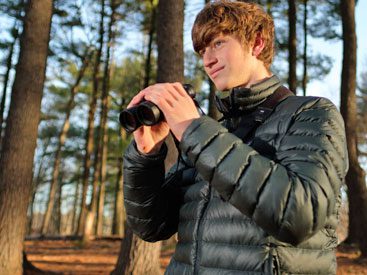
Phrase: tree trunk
{"type": "Point", "coordinates": [355, 179]}
{"type": "Point", "coordinates": [20, 137]}
{"type": "Point", "coordinates": [31, 207]}
{"type": "Point", "coordinates": [148, 65]}
{"type": "Point", "coordinates": [35, 184]}
{"type": "Point", "coordinates": [62, 138]}
{"type": "Point", "coordinates": [170, 54]}
{"type": "Point", "coordinates": [75, 207]}
{"type": "Point", "coordinates": [305, 77]}
{"type": "Point", "coordinates": [143, 259]}
{"type": "Point", "coordinates": [55, 222]}
{"type": "Point", "coordinates": [170, 41]}
{"type": "Point", "coordinates": [269, 5]}
{"type": "Point", "coordinates": [6, 80]}
{"type": "Point", "coordinates": [104, 116]}
{"type": "Point", "coordinates": [118, 221]}
{"type": "Point", "coordinates": [89, 228]}
{"type": "Point", "coordinates": [292, 46]}
{"type": "Point", "coordinates": [170, 69]}
{"type": "Point", "coordinates": [100, 209]}
{"type": "Point", "coordinates": [90, 129]}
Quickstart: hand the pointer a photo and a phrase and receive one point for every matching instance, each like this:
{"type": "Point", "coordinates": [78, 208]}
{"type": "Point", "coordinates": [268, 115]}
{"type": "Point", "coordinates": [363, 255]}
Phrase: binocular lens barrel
{"type": "Point", "coordinates": [146, 113]}
{"type": "Point", "coordinates": [128, 119]}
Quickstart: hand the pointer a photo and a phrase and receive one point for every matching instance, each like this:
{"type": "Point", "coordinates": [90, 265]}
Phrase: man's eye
{"type": "Point", "coordinates": [201, 52]}
{"type": "Point", "coordinates": [218, 43]}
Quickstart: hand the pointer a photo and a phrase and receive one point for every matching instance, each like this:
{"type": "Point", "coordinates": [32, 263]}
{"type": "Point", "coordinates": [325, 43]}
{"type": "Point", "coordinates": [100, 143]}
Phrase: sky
{"type": "Point", "coordinates": [330, 86]}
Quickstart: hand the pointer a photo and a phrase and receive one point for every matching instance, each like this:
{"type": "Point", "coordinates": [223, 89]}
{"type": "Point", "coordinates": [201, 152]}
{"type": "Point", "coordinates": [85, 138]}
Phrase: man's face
{"type": "Point", "coordinates": [227, 63]}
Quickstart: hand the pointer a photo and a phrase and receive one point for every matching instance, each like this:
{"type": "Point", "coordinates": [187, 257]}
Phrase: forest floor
{"type": "Point", "coordinates": [100, 256]}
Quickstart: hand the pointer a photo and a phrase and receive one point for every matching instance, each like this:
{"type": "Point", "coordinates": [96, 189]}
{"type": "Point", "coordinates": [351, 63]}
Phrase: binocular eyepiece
{"type": "Point", "coordinates": [146, 113]}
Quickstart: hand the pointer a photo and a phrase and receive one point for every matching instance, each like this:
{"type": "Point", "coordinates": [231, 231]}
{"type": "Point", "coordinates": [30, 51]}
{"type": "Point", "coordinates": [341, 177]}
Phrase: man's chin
{"type": "Point", "coordinates": [220, 85]}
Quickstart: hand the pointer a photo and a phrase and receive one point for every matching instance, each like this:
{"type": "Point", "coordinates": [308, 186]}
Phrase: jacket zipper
{"type": "Point", "coordinates": [275, 266]}
{"type": "Point", "coordinates": [199, 234]}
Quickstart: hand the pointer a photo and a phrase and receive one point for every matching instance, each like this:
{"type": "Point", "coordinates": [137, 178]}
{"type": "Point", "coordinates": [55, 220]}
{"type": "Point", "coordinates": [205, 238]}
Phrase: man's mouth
{"type": "Point", "coordinates": [215, 72]}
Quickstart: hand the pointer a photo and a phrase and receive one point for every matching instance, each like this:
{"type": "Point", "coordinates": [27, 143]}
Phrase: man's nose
{"type": "Point", "coordinates": [209, 58]}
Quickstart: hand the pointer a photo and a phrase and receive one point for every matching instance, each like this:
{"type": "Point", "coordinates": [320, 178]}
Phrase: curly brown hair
{"type": "Point", "coordinates": [241, 19]}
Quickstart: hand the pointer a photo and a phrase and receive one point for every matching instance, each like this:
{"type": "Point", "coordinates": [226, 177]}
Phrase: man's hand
{"type": "Point", "coordinates": [179, 111]}
{"type": "Point", "coordinates": [177, 106]}
{"type": "Point", "coordinates": [149, 139]}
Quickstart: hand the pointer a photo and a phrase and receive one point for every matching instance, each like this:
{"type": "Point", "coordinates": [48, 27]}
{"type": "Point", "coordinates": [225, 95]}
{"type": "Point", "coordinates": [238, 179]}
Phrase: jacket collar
{"type": "Point", "coordinates": [241, 99]}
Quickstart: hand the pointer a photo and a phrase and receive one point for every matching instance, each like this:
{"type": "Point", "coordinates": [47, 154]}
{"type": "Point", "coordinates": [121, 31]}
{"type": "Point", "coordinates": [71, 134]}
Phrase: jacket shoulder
{"type": "Point", "coordinates": [296, 104]}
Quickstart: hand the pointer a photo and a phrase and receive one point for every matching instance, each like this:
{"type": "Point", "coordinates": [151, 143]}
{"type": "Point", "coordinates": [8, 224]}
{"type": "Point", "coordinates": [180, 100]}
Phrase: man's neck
{"type": "Point", "coordinates": [260, 76]}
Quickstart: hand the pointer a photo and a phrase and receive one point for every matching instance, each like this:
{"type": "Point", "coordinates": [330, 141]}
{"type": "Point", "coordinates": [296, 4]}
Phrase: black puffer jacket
{"type": "Point", "coordinates": [266, 208]}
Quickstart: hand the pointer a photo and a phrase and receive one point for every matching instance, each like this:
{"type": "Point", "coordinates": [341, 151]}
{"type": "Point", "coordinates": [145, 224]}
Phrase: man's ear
{"type": "Point", "coordinates": [259, 45]}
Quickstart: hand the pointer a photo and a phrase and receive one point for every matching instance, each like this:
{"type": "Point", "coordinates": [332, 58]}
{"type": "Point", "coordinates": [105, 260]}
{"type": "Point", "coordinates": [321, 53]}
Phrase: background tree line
{"type": "Point", "coordinates": [60, 162]}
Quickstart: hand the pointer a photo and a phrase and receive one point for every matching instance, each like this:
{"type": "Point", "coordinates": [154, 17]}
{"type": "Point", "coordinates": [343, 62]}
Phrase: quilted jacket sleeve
{"type": "Point", "coordinates": [151, 201]}
{"type": "Point", "coordinates": [291, 196]}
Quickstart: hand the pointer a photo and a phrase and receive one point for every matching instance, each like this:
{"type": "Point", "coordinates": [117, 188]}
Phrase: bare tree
{"type": "Point", "coordinates": [148, 65]}
{"type": "Point", "coordinates": [62, 138]}
{"type": "Point", "coordinates": [21, 134]}
{"type": "Point", "coordinates": [170, 69]}
{"type": "Point", "coordinates": [305, 29]}
{"type": "Point", "coordinates": [105, 100]}
{"type": "Point", "coordinates": [83, 229]}
{"type": "Point", "coordinates": [118, 213]}
{"type": "Point", "coordinates": [355, 179]}
{"type": "Point", "coordinates": [292, 45]}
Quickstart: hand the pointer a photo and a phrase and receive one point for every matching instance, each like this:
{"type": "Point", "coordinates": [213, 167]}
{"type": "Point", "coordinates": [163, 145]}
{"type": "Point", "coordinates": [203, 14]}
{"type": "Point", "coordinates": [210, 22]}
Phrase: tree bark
{"type": "Point", "coordinates": [170, 41]}
{"type": "Point", "coordinates": [355, 179]}
{"type": "Point", "coordinates": [55, 222]}
{"type": "Point", "coordinates": [118, 221]}
{"type": "Point", "coordinates": [100, 208]}
{"type": "Point", "coordinates": [62, 138]}
{"type": "Point", "coordinates": [170, 54]}
{"type": "Point", "coordinates": [31, 207]}
{"type": "Point", "coordinates": [148, 65]}
{"type": "Point", "coordinates": [75, 207]}
{"type": "Point", "coordinates": [292, 46]}
{"type": "Point", "coordinates": [305, 77]}
{"type": "Point", "coordinates": [19, 144]}
{"type": "Point", "coordinates": [170, 69]}
{"type": "Point", "coordinates": [142, 258]}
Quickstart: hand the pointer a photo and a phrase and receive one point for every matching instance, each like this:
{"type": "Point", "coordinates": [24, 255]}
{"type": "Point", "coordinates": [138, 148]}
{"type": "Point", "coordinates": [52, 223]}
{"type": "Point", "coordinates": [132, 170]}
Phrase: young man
{"type": "Point", "coordinates": [248, 197]}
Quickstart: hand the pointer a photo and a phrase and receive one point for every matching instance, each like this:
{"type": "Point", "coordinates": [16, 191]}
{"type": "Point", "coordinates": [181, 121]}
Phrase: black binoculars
{"type": "Point", "coordinates": [146, 113]}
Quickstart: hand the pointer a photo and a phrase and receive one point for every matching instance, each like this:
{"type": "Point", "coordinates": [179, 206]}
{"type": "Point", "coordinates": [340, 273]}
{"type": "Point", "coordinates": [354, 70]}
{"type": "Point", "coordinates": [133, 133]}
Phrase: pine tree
{"type": "Point", "coordinates": [16, 160]}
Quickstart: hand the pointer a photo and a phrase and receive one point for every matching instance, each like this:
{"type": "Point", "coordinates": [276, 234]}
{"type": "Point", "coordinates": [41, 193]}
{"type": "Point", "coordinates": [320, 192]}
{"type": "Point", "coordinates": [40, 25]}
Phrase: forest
{"type": "Point", "coordinates": [68, 68]}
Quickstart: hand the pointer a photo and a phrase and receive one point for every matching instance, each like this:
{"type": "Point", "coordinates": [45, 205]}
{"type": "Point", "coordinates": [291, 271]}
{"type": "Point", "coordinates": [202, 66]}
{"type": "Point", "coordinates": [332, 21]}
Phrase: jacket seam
{"type": "Point", "coordinates": [264, 184]}
{"type": "Point", "coordinates": [225, 155]}
{"type": "Point", "coordinates": [262, 246]}
{"type": "Point", "coordinates": [246, 245]}
{"type": "Point", "coordinates": [139, 219]}
{"type": "Point", "coordinates": [233, 269]}
{"type": "Point", "coordinates": [241, 174]}
{"type": "Point", "coordinates": [211, 139]}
